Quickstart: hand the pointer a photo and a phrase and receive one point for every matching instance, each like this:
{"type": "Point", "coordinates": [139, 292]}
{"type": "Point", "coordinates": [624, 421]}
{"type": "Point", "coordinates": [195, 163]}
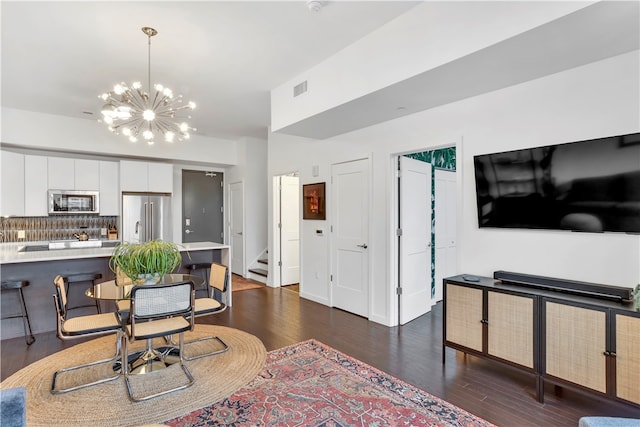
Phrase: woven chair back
{"type": "Point", "coordinates": [150, 301]}
{"type": "Point", "coordinates": [218, 277]}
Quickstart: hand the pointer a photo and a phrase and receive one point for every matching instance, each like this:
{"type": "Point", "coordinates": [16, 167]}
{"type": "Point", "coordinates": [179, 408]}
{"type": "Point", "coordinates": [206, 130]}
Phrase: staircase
{"type": "Point", "coordinates": [258, 273]}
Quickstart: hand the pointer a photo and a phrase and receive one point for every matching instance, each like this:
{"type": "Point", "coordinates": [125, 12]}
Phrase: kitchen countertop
{"type": "Point", "coordinates": [9, 252]}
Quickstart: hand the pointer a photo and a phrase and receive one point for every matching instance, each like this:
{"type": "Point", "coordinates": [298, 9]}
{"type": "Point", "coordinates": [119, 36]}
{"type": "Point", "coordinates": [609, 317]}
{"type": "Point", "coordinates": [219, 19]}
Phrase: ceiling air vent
{"type": "Point", "coordinates": [300, 89]}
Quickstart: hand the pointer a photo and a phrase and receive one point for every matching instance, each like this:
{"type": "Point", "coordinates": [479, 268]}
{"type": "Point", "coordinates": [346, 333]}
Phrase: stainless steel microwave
{"type": "Point", "coordinates": [74, 202]}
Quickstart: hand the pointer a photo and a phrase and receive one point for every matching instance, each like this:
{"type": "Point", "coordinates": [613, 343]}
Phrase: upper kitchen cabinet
{"type": "Point", "coordinates": [109, 189]}
{"type": "Point", "coordinates": [61, 173]}
{"type": "Point", "coordinates": [146, 177]}
{"type": "Point", "coordinates": [73, 174]}
{"type": "Point", "coordinates": [35, 186]}
{"type": "Point", "coordinates": [87, 174]}
{"type": "Point", "coordinates": [12, 198]}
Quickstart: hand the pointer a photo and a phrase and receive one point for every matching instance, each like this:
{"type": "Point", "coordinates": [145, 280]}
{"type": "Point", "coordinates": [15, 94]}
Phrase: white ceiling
{"type": "Point", "coordinates": [57, 57]}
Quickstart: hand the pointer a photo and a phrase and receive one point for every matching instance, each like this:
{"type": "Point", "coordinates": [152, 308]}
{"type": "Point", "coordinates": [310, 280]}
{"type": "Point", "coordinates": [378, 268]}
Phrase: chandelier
{"type": "Point", "coordinates": [135, 113]}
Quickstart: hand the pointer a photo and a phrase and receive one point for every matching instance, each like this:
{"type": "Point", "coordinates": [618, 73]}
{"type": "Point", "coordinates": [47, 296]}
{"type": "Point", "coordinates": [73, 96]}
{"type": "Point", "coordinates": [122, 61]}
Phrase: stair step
{"type": "Point", "coordinates": [264, 261]}
{"type": "Point", "coordinates": [259, 271]}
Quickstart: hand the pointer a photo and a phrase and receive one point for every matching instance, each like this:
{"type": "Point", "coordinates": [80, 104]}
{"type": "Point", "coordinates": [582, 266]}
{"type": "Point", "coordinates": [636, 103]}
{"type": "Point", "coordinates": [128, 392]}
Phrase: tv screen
{"type": "Point", "coordinates": [591, 186]}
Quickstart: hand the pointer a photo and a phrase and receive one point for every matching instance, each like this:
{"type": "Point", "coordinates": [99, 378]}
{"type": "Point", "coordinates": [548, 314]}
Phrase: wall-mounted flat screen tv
{"type": "Point", "coordinates": [591, 186]}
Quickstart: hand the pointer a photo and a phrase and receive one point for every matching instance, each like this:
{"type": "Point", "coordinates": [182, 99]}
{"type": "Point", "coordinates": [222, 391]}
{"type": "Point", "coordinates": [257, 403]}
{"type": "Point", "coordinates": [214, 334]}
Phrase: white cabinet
{"type": "Point", "coordinates": [109, 189]}
{"type": "Point", "coordinates": [160, 177]}
{"type": "Point", "coordinates": [35, 186]}
{"type": "Point", "coordinates": [12, 198]}
{"type": "Point", "coordinates": [86, 174]}
{"type": "Point", "coordinates": [73, 174]}
{"type": "Point", "coordinates": [61, 173]}
{"type": "Point", "coordinates": [146, 176]}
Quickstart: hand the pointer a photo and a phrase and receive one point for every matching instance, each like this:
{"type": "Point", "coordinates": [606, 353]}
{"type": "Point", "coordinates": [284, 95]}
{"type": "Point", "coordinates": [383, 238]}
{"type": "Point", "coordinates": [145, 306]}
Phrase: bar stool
{"type": "Point", "coordinates": [201, 269]}
{"type": "Point", "coordinates": [76, 279]}
{"type": "Point", "coordinates": [17, 286]}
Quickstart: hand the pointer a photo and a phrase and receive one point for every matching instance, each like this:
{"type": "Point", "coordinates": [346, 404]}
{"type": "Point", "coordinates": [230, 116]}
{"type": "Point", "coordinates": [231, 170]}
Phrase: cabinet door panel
{"type": "Point", "coordinates": [511, 328]}
{"type": "Point", "coordinates": [35, 186]}
{"type": "Point", "coordinates": [12, 196]}
{"type": "Point", "coordinates": [133, 176]}
{"type": "Point", "coordinates": [160, 177]}
{"type": "Point", "coordinates": [87, 175]}
{"type": "Point", "coordinates": [628, 358]}
{"type": "Point", "coordinates": [464, 316]}
{"type": "Point", "coordinates": [61, 173]}
{"type": "Point", "coordinates": [109, 189]}
{"type": "Point", "coordinates": [575, 345]}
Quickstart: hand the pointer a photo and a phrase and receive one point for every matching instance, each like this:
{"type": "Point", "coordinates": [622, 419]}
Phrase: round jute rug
{"type": "Point", "coordinates": [107, 404]}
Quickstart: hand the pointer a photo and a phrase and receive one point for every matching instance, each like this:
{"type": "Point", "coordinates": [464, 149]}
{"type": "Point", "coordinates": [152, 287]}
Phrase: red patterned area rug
{"type": "Point", "coordinates": [312, 384]}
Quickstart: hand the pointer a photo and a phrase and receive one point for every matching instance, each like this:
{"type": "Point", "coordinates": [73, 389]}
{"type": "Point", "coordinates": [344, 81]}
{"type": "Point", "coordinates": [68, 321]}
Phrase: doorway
{"type": "Point", "coordinates": [286, 227]}
{"type": "Point", "coordinates": [442, 194]}
{"type": "Point", "coordinates": [202, 206]}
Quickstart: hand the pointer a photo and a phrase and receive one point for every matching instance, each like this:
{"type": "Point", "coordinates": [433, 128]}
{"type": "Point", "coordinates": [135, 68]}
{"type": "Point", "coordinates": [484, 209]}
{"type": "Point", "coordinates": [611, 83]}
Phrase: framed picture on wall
{"type": "Point", "coordinates": [313, 200]}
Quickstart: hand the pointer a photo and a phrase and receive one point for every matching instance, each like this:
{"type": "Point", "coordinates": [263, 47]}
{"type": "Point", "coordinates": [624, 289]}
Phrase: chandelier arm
{"type": "Point", "coordinates": [137, 101]}
{"type": "Point", "coordinates": [133, 121]}
{"type": "Point", "coordinates": [164, 127]}
{"type": "Point", "coordinates": [155, 101]}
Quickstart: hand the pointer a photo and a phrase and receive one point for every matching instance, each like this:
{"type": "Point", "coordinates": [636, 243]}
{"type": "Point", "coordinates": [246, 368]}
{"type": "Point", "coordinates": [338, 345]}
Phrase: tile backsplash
{"type": "Point", "coordinates": [47, 228]}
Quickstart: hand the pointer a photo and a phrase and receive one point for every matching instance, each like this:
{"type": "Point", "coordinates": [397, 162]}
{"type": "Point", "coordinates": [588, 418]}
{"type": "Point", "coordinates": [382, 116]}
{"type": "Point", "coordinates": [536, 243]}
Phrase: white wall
{"type": "Point", "coordinates": [427, 36]}
{"type": "Point", "coordinates": [596, 100]}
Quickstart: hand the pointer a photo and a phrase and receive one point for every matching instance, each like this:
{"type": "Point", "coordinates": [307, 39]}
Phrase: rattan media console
{"type": "Point", "coordinates": [575, 334]}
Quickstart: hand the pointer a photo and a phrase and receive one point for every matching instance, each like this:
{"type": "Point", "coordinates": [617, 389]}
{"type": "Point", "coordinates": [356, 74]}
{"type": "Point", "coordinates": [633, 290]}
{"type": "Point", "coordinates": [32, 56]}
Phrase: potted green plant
{"type": "Point", "coordinates": [145, 262]}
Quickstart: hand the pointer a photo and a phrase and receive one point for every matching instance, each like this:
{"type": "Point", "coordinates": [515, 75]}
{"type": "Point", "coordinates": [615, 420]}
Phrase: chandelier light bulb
{"type": "Point", "coordinates": [132, 111]}
{"type": "Point", "coordinates": [148, 115]}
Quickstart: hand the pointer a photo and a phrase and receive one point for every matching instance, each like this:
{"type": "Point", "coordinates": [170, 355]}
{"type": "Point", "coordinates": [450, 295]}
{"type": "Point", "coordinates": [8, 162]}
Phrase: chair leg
{"type": "Point", "coordinates": [185, 370]}
{"type": "Point", "coordinates": [55, 390]}
{"type": "Point", "coordinates": [224, 348]}
{"type": "Point", "coordinates": [26, 323]}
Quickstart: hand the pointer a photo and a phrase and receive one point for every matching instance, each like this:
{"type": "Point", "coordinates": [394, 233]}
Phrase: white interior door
{"type": "Point", "coordinates": [415, 239]}
{"type": "Point", "coordinates": [236, 227]}
{"type": "Point", "coordinates": [445, 207]}
{"type": "Point", "coordinates": [350, 236]}
{"type": "Point", "coordinates": [289, 230]}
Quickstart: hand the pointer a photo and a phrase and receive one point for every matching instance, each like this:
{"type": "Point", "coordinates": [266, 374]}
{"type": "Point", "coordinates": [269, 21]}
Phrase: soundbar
{"type": "Point", "coordinates": [617, 293]}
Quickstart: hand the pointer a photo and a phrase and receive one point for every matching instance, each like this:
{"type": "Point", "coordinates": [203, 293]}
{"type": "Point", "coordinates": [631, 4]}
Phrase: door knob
{"type": "Point", "coordinates": [188, 231]}
{"type": "Point", "coordinates": [363, 246]}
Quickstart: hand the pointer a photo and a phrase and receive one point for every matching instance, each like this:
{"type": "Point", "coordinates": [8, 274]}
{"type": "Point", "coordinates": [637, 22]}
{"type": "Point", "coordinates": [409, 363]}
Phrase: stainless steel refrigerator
{"type": "Point", "coordinates": [146, 217]}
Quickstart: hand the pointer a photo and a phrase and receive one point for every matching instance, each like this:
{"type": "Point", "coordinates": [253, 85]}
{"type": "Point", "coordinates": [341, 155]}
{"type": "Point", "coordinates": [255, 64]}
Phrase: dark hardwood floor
{"type": "Point", "coordinates": [412, 353]}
